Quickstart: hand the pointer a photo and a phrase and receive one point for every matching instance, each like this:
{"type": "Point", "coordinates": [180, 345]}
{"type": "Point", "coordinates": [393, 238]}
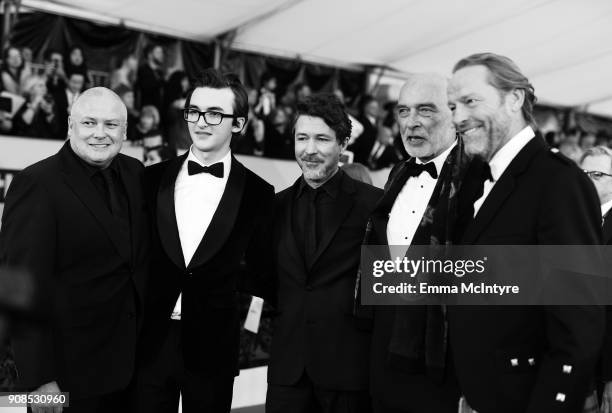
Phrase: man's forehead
{"type": "Point", "coordinates": [467, 78]}
{"type": "Point", "coordinates": [207, 97]}
{"type": "Point", "coordinates": [422, 89]}
{"type": "Point", "coordinates": [99, 109]}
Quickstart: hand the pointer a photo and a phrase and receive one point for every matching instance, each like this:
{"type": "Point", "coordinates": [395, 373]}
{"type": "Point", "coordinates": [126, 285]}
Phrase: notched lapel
{"type": "Point", "coordinates": [502, 189]}
{"type": "Point", "coordinates": [291, 244]}
{"type": "Point", "coordinates": [166, 215]}
{"type": "Point", "coordinates": [224, 217]}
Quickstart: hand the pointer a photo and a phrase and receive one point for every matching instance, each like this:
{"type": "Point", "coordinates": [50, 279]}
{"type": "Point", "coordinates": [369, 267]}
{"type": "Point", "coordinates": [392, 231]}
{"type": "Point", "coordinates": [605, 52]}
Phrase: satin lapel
{"type": "Point", "coordinates": [83, 188]}
{"type": "Point", "coordinates": [342, 207]}
{"type": "Point", "coordinates": [166, 215]}
{"type": "Point", "coordinates": [224, 217]}
{"type": "Point", "coordinates": [607, 229]}
{"type": "Point", "coordinates": [291, 244]}
{"type": "Point", "coordinates": [502, 189]}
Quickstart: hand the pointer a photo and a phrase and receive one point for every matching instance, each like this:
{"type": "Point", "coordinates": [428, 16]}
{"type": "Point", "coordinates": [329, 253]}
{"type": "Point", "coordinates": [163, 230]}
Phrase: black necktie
{"type": "Point", "coordinates": [310, 243]}
{"type": "Point", "coordinates": [415, 169]}
{"type": "Point", "coordinates": [215, 169]}
{"type": "Point", "coordinates": [485, 175]}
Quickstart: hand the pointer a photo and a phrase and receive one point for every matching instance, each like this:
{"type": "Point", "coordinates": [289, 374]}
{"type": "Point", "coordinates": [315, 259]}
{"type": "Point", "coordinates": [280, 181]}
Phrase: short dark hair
{"type": "Point", "coordinates": [149, 48]}
{"type": "Point", "coordinates": [215, 79]}
{"type": "Point", "coordinates": [505, 76]}
{"type": "Point", "coordinates": [328, 107]}
{"type": "Point", "coordinates": [50, 52]}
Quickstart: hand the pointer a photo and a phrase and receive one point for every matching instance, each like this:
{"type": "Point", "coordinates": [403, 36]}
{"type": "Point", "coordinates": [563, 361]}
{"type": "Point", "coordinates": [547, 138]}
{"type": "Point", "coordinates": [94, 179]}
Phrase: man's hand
{"type": "Point", "coordinates": [48, 388]}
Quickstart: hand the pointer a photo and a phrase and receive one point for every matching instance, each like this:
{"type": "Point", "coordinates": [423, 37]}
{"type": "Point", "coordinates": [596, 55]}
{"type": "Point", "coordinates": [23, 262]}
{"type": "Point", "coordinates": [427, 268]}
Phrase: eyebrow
{"type": "Point", "coordinates": [418, 105]}
{"type": "Point", "coordinates": [215, 108]}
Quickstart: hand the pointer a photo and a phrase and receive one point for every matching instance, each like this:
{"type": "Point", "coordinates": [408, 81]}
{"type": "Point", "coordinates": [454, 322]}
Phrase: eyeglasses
{"type": "Point", "coordinates": [595, 174]}
{"type": "Point", "coordinates": [210, 117]}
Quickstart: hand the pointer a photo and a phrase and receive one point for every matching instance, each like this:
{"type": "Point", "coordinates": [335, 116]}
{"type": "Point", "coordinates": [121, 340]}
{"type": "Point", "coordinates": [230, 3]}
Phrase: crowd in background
{"type": "Point", "coordinates": [36, 98]}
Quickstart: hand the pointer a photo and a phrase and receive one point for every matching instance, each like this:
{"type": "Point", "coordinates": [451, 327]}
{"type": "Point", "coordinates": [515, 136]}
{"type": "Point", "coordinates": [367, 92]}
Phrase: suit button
{"type": "Point", "coordinates": [131, 315]}
{"type": "Point", "coordinates": [190, 273]}
{"type": "Point", "coordinates": [308, 288]}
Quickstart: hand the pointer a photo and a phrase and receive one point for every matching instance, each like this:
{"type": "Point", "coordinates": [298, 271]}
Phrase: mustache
{"type": "Point", "coordinates": [312, 158]}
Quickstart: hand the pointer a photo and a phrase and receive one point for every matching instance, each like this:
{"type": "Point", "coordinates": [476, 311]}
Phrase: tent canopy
{"type": "Point", "coordinates": [563, 46]}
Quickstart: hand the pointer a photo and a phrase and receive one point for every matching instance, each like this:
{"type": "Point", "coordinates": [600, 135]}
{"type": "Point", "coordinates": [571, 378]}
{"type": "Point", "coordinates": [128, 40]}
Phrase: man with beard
{"type": "Point", "coordinates": [319, 356]}
{"type": "Point", "coordinates": [520, 358]}
{"type": "Point", "coordinates": [404, 379]}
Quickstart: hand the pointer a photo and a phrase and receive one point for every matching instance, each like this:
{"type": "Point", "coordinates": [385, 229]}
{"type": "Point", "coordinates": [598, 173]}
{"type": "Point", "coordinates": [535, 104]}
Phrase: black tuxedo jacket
{"type": "Point", "coordinates": [234, 255]}
{"type": "Point", "coordinates": [541, 198]}
{"type": "Point", "coordinates": [606, 354]}
{"type": "Point", "coordinates": [89, 280]}
{"type": "Point", "coordinates": [406, 387]}
{"type": "Point", "coordinates": [315, 330]}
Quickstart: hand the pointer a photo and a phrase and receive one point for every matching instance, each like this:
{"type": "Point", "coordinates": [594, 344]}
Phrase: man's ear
{"type": "Point", "coordinates": [344, 144]}
{"type": "Point", "coordinates": [238, 124]}
{"type": "Point", "coordinates": [69, 126]}
{"type": "Point", "coordinates": [516, 99]}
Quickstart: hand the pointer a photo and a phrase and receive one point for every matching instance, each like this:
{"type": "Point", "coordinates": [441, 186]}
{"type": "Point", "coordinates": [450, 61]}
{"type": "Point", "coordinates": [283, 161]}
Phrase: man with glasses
{"type": "Point", "coordinates": [597, 164]}
{"type": "Point", "coordinates": [210, 240]}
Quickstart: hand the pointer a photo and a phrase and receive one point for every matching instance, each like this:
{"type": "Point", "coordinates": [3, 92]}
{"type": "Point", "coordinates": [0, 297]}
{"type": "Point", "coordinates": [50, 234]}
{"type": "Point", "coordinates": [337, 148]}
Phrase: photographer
{"type": "Point", "coordinates": [36, 117]}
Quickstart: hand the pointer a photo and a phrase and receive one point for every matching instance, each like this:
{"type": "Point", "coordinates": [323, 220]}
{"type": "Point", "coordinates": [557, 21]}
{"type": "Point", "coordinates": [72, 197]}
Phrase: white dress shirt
{"type": "Point", "coordinates": [502, 159]}
{"type": "Point", "coordinates": [605, 208]}
{"type": "Point", "coordinates": [196, 198]}
{"type": "Point", "coordinates": [410, 204]}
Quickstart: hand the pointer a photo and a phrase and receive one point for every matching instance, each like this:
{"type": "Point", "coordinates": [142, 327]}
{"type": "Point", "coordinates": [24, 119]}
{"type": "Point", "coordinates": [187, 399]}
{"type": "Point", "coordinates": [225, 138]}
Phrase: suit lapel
{"type": "Point", "coordinates": [84, 189]}
{"type": "Point", "coordinates": [502, 189]}
{"type": "Point", "coordinates": [607, 229]}
{"type": "Point", "coordinates": [166, 215]}
{"type": "Point", "coordinates": [224, 217]}
{"type": "Point", "coordinates": [134, 195]}
{"type": "Point", "coordinates": [342, 207]}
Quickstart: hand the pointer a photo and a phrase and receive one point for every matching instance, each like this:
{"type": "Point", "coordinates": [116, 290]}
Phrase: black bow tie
{"type": "Point", "coordinates": [215, 169]}
{"type": "Point", "coordinates": [415, 169]}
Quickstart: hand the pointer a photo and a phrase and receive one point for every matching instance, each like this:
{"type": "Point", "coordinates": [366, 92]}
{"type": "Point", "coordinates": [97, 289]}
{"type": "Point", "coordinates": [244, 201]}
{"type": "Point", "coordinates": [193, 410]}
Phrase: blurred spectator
{"type": "Point", "coordinates": [37, 117]}
{"type": "Point", "coordinates": [150, 79]}
{"type": "Point", "coordinates": [125, 74]}
{"type": "Point", "coordinates": [357, 171]}
{"type": "Point", "coordinates": [64, 98]}
{"type": "Point", "coordinates": [301, 90]}
{"type": "Point", "coordinates": [75, 63]}
{"type": "Point", "coordinates": [26, 54]}
{"type": "Point", "coordinates": [362, 146]}
{"type": "Point", "coordinates": [147, 128]}
{"type": "Point", "coordinates": [571, 150]}
{"type": "Point", "coordinates": [250, 140]}
{"type": "Point", "coordinates": [602, 138]}
{"type": "Point", "coordinates": [266, 102]}
{"type": "Point", "coordinates": [552, 139]}
{"type": "Point", "coordinates": [384, 153]}
{"type": "Point", "coordinates": [278, 140]}
{"type": "Point", "coordinates": [356, 126]}
{"type": "Point", "coordinates": [587, 141]}
{"type": "Point", "coordinates": [13, 75]}
{"type": "Point", "coordinates": [127, 97]}
{"type": "Point", "coordinates": [54, 70]}
{"type": "Point", "coordinates": [175, 128]}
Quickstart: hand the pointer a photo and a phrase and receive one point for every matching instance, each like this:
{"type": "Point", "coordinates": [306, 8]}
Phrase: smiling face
{"type": "Point", "coordinates": [481, 113]}
{"type": "Point", "coordinates": [211, 142]}
{"type": "Point", "coordinates": [603, 184]}
{"type": "Point", "coordinates": [317, 150]}
{"type": "Point", "coordinates": [96, 126]}
{"type": "Point", "coordinates": [424, 117]}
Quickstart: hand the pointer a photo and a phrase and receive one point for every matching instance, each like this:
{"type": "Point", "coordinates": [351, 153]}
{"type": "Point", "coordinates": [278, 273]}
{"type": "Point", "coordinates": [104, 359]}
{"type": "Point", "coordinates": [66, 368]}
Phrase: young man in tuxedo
{"type": "Point", "coordinates": [417, 203]}
{"type": "Point", "coordinates": [520, 358]}
{"type": "Point", "coordinates": [596, 162]}
{"type": "Point", "coordinates": [76, 223]}
{"type": "Point", "coordinates": [319, 356]}
{"type": "Point", "coordinates": [211, 240]}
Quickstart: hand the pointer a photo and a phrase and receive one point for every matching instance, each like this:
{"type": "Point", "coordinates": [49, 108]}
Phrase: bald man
{"type": "Point", "coordinates": [77, 224]}
{"type": "Point", "coordinates": [409, 372]}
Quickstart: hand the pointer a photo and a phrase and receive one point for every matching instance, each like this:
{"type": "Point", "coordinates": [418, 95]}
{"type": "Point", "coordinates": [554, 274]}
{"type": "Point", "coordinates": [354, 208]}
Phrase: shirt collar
{"type": "Point", "coordinates": [331, 187]}
{"type": "Point", "coordinates": [226, 161]}
{"type": "Point", "coordinates": [605, 208]}
{"type": "Point", "coordinates": [508, 152]}
{"type": "Point", "coordinates": [440, 159]}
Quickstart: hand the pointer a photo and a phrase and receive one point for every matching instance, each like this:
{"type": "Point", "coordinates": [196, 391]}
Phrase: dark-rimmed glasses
{"type": "Point", "coordinates": [211, 117]}
{"type": "Point", "coordinates": [595, 174]}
